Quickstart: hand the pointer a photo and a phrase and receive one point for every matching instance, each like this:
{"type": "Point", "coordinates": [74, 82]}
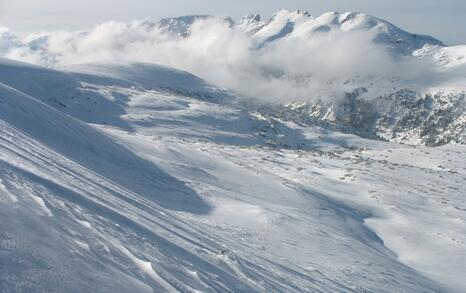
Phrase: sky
{"type": "Point", "coordinates": [443, 19]}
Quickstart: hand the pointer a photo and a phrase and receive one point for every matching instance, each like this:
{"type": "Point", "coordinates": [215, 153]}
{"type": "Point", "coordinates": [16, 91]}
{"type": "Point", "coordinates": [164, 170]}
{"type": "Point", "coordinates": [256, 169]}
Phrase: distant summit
{"type": "Point", "coordinates": [285, 23]}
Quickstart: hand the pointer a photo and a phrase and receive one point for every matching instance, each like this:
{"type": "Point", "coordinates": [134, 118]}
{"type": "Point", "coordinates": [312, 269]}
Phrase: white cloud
{"type": "Point", "coordinates": [293, 68]}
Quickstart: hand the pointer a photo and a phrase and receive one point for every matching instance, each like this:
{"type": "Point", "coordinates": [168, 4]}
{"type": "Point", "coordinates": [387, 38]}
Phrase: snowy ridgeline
{"type": "Point", "coordinates": [141, 178]}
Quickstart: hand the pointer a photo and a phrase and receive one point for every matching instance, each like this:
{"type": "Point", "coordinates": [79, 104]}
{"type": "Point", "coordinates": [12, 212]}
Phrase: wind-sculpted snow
{"type": "Point", "coordinates": [113, 182]}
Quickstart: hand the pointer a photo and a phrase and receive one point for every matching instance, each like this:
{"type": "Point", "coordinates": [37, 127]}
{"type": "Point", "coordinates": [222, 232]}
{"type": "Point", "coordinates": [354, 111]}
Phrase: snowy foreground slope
{"type": "Point", "coordinates": [140, 178]}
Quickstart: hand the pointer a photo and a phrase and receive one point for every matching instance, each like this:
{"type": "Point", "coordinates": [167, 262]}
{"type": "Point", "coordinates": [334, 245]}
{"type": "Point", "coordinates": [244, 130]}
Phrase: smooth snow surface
{"type": "Point", "coordinates": [114, 181]}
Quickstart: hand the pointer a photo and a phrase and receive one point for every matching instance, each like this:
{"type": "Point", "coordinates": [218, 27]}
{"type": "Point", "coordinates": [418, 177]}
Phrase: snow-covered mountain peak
{"type": "Point", "coordinates": [251, 18]}
{"type": "Point", "coordinates": [251, 23]}
{"type": "Point", "coordinates": [284, 22]}
{"type": "Point", "coordinates": [181, 26]}
{"type": "Point", "coordinates": [290, 15]}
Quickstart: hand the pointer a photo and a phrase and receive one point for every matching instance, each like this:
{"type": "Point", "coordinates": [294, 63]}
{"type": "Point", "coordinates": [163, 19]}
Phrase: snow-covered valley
{"type": "Point", "coordinates": [134, 177]}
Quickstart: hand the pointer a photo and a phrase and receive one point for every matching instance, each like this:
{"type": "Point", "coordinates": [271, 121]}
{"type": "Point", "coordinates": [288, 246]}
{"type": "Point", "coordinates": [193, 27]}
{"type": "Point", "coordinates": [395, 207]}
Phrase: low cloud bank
{"type": "Point", "coordinates": [293, 68]}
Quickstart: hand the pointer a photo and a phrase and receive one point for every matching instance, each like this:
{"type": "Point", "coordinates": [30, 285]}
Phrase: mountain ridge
{"type": "Point", "coordinates": [253, 24]}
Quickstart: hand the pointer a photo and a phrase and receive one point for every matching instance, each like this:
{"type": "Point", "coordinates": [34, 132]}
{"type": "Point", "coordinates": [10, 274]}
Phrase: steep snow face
{"type": "Point", "coordinates": [251, 23]}
{"type": "Point", "coordinates": [433, 118]}
{"type": "Point", "coordinates": [183, 191]}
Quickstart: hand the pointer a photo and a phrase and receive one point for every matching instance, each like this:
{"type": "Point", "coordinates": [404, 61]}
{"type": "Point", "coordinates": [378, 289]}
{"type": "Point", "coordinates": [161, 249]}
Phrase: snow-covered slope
{"type": "Point", "coordinates": [454, 56]}
{"type": "Point", "coordinates": [132, 177]}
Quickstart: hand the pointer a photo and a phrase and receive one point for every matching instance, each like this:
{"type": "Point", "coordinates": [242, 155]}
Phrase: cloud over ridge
{"type": "Point", "coordinates": [292, 56]}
